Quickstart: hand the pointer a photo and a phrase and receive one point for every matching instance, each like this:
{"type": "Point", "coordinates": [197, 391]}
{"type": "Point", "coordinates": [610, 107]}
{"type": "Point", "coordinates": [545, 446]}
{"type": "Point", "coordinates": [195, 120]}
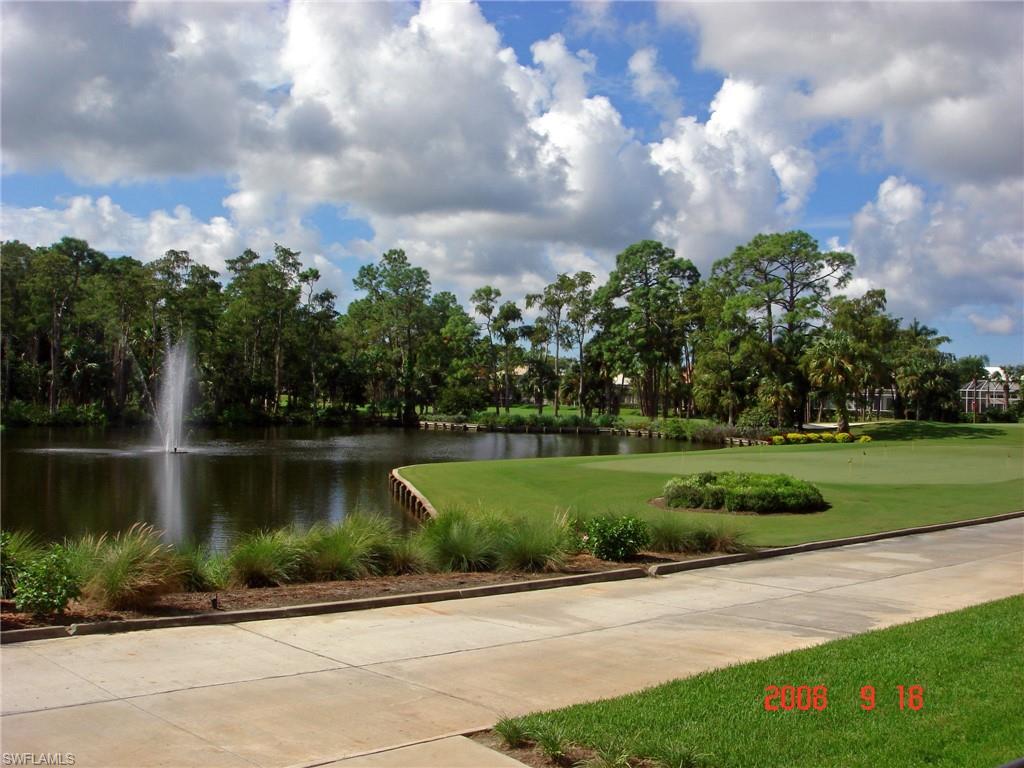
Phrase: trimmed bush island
{"type": "Point", "coordinates": [743, 492]}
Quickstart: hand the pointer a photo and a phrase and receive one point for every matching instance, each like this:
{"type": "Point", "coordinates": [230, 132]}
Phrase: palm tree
{"type": "Point", "coordinates": [1011, 373]}
{"type": "Point", "coordinates": [831, 366]}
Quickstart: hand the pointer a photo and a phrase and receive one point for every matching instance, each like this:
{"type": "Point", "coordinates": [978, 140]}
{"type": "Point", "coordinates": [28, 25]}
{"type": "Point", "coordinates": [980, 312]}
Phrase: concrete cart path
{"type": "Point", "coordinates": [316, 689]}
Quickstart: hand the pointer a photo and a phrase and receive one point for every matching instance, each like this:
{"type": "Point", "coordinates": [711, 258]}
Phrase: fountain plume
{"type": "Point", "coordinates": [173, 394]}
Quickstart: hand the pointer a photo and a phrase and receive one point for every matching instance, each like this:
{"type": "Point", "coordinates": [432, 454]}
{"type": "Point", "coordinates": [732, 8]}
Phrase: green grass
{"type": "Point", "coordinates": [968, 663]}
{"type": "Point", "coordinates": [911, 474]}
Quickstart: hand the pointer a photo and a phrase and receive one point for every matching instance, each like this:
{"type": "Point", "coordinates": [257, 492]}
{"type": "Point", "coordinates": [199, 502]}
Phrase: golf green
{"type": "Point", "coordinates": [910, 474]}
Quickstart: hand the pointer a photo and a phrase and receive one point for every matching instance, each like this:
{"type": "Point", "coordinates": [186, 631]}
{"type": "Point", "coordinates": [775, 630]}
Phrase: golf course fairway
{"type": "Point", "coordinates": [912, 473]}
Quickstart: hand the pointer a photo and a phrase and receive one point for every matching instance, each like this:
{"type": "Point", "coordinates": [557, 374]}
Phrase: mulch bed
{"type": "Point", "coordinates": [184, 603]}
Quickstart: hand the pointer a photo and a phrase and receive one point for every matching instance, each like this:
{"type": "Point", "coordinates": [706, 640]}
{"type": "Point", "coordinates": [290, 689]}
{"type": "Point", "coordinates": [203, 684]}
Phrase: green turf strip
{"type": "Point", "coordinates": [970, 664]}
{"type": "Point", "coordinates": [911, 474]}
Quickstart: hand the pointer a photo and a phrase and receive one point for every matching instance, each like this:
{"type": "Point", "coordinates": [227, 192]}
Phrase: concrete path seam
{"type": "Point", "coordinates": [351, 755]}
{"type": "Point", "coordinates": [202, 686]}
{"type": "Point", "coordinates": [293, 647]}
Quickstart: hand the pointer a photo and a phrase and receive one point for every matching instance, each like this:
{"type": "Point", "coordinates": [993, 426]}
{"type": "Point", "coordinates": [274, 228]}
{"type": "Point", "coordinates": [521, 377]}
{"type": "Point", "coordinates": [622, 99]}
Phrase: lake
{"type": "Point", "coordinates": [65, 482]}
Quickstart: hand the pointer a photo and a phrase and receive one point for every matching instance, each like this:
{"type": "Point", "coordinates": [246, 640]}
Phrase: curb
{"type": "Point", "coordinates": [315, 609]}
{"type": "Point", "coordinates": [662, 569]}
{"type": "Point", "coordinates": [416, 598]}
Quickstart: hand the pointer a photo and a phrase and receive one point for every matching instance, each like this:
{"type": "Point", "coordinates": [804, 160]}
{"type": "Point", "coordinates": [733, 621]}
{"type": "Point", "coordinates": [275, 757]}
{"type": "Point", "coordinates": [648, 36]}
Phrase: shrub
{"type": "Point", "coordinates": [796, 438]}
{"type": "Point", "coordinates": [535, 420]}
{"type": "Point", "coordinates": [533, 544]}
{"type": "Point", "coordinates": [844, 437]}
{"type": "Point", "coordinates": [458, 541]}
{"type": "Point", "coordinates": [713, 496]}
{"type": "Point", "coordinates": [813, 437]}
{"type": "Point", "coordinates": [864, 439]}
{"type": "Point", "coordinates": [743, 492]}
{"type": "Point", "coordinates": [17, 550]}
{"type": "Point", "coordinates": [677, 429]}
{"type": "Point", "coordinates": [133, 569]}
{"type": "Point", "coordinates": [608, 420]}
{"type": "Point", "coordinates": [47, 583]}
{"type": "Point", "coordinates": [757, 417]}
{"type": "Point", "coordinates": [616, 538]}
{"type": "Point", "coordinates": [203, 570]}
{"type": "Point", "coordinates": [511, 420]}
{"type": "Point", "coordinates": [996, 415]}
{"type": "Point", "coordinates": [687, 491]}
{"type": "Point", "coordinates": [828, 437]}
{"type": "Point", "coordinates": [266, 558]}
{"type": "Point", "coordinates": [778, 440]}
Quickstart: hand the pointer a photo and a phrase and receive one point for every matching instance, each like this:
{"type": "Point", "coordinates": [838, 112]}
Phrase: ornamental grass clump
{"type": "Point", "coordinates": [203, 570]}
{"type": "Point", "coordinates": [408, 555]}
{"type": "Point", "coordinates": [534, 544]}
{"type": "Point", "coordinates": [132, 569]}
{"type": "Point", "coordinates": [512, 732]}
{"type": "Point", "coordinates": [743, 492]}
{"type": "Point", "coordinates": [267, 558]}
{"type": "Point", "coordinates": [671, 532]}
{"type": "Point", "coordinates": [456, 540]}
{"type": "Point", "coordinates": [361, 545]}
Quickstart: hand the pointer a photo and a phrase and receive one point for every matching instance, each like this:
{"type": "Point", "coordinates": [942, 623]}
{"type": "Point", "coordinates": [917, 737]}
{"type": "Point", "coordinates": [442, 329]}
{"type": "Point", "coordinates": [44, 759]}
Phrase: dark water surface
{"type": "Point", "coordinates": [67, 482]}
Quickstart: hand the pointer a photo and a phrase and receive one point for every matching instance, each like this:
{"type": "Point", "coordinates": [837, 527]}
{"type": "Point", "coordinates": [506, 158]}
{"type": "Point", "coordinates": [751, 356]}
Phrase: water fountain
{"type": "Point", "coordinates": [173, 396]}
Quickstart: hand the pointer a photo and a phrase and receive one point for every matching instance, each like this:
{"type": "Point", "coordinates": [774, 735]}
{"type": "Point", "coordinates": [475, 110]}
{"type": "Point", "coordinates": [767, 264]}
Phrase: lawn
{"type": "Point", "coordinates": [911, 474]}
{"type": "Point", "coordinates": [968, 663]}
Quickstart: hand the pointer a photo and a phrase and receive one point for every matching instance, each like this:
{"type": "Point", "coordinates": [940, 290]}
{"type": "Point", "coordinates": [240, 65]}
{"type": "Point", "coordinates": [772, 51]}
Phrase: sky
{"type": "Point", "coordinates": [503, 143]}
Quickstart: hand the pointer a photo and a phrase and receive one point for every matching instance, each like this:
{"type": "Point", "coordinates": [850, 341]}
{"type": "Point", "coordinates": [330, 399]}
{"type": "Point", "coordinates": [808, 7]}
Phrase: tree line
{"type": "Point", "coordinates": [764, 339]}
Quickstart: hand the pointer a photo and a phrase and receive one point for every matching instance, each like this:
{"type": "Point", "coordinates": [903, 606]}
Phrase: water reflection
{"type": "Point", "coordinates": [67, 482]}
{"type": "Point", "coordinates": [169, 488]}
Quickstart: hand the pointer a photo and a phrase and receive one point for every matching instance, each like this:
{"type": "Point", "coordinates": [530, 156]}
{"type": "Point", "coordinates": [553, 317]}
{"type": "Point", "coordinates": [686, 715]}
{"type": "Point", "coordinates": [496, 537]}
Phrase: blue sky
{"type": "Point", "coordinates": [347, 130]}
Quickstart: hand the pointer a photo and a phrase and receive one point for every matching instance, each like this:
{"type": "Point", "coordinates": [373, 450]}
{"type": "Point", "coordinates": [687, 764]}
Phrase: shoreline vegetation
{"type": "Point", "coordinates": [134, 571]}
